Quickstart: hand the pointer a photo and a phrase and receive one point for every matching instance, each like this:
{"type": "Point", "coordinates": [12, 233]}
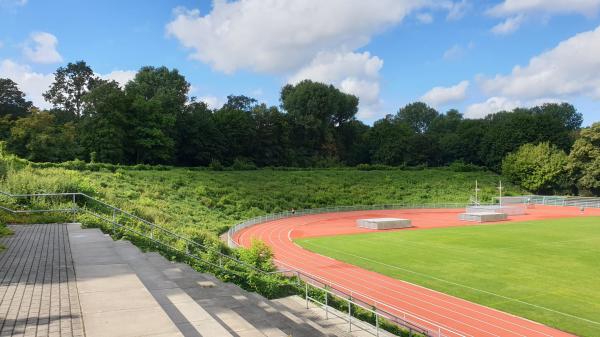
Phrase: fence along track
{"type": "Point", "coordinates": [83, 203]}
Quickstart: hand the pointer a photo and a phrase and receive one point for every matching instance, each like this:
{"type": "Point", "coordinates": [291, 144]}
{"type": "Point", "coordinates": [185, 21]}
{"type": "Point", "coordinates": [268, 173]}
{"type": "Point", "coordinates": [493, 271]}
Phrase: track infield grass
{"type": "Point", "coordinates": [545, 270]}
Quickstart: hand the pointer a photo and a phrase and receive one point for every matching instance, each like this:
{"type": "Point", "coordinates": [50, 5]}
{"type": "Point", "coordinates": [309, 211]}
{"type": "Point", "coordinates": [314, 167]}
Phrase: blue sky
{"type": "Point", "coordinates": [451, 53]}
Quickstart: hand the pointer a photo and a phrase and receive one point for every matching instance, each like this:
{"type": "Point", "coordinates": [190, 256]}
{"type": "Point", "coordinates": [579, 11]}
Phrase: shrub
{"type": "Point", "coordinates": [215, 165]}
{"type": "Point", "coordinates": [243, 165]}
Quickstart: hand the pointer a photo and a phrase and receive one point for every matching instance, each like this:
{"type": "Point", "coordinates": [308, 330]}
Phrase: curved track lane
{"type": "Point", "coordinates": [433, 309]}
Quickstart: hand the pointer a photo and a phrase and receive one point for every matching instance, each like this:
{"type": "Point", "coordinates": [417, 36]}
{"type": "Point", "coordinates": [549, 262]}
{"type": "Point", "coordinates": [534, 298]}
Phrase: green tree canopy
{"type": "Point", "coordinates": [104, 126]}
{"type": "Point", "coordinates": [12, 100]}
{"type": "Point", "coordinates": [418, 116]}
{"type": "Point", "coordinates": [539, 168]}
{"type": "Point", "coordinates": [584, 160]}
{"type": "Point", "coordinates": [38, 138]}
{"type": "Point", "coordinates": [157, 96]}
{"type": "Point", "coordinates": [70, 84]}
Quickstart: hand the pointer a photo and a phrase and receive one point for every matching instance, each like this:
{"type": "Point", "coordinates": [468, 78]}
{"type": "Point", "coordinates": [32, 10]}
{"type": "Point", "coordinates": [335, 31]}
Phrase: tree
{"type": "Point", "coordinates": [418, 116]}
{"type": "Point", "coordinates": [389, 141]}
{"type": "Point", "coordinates": [12, 100]}
{"type": "Point", "coordinates": [158, 96]}
{"type": "Point", "coordinates": [38, 138]}
{"type": "Point", "coordinates": [271, 136]}
{"type": "Point", "coordinates": [71, 83]}
{"type": "Point", "coordinates": [104, 125]}
{"type": "Point", "coordinates": [234, 120]}
{"type": "Point", "coordinates": [584, 160]}
{"type": "Point", "coordinates": [315, 111]}
{"type": "Point", "coordinates": [539, 168]}
{"type": "Point", "coordinates": [199, 140]}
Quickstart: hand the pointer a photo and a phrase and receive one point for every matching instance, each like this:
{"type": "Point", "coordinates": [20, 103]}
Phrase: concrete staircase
{"type": "Point", "coordinates": [125, 292]}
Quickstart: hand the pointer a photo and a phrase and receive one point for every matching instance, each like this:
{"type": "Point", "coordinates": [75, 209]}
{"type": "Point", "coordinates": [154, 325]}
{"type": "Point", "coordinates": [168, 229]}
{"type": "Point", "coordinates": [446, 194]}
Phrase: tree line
{"type": "Point", "coordinates": [152, 120]}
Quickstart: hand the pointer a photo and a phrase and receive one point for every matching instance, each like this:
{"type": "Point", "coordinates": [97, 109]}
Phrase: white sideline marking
{"type": "Point", "coordinates": [460, 285]}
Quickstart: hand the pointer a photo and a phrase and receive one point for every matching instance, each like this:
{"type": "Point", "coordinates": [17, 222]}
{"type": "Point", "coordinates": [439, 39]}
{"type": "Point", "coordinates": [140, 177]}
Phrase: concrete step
{"type": "Point", "coordinates": [113, 299]}
{"type": "Point", "coordinates": [193, 303]}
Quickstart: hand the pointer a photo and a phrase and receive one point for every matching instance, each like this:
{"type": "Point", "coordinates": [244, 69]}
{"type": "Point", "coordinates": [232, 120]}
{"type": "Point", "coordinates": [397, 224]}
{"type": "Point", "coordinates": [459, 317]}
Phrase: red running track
{"type": "Point", "coordinates": [455, 315]}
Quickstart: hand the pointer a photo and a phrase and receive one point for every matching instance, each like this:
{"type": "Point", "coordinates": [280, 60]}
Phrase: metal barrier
{"type": "Point", "coordinates": [118, 218]}
{"type": "Point", "coordinates": [586, 202]}
{"type": "Point", "coordinates": [401, 317]}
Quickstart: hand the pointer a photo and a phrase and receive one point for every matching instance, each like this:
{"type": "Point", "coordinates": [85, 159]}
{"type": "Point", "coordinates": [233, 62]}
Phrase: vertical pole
{"type": "Point", "coordinates": [349, 315]}
{"type": "Point", "coordinates": [306, 289]}
{"type": "Point", "coordinates": [114, 220]}
{"type": "Point", "coordinates": [376, 324]}
{"type": "Point", "coordinates": [220, 261]}
{"type": "Point", "coordinates": [326, 305]}
{"type": "Point", "coordinates": [74, 208]}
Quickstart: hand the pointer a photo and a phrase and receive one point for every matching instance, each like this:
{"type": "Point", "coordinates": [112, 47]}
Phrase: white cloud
{"type": "Point", "coordinates": [517, 12]}
{"type": "Point", "coordinates": [213, 102]}
{"type": "Point", "coordinates": [33, 84]}
{"type": "Point", "coordinates": [298, 39]}
{"type": "Point", "coordinates": [425, 18]}
{"type": "Point", "coordinates": [571, 68]}
{"type": "Point", "coordinates": [275, 36]}
{"type": "Point", "coordinates": [120, 76]}
{"type": "Point", "coordinates": [12, 3]}
{"type": "Point", "coordinates": [508, 26]}
{"type": "Point", "coordinates": [497, 104]}
{"type": "Point", "coordinates": [454, 52]}
{"type": "Point", "coordinates": [353, 73]}
{"type": "Point", "coordinates": [41, 48]}
{"type": "Point", "coordinates": [440, 96]}
{"type": "Point", "coordinates": [512, 7]}
{"type": "Point", "coordinates": [491, 105]}
{"type": "Point", "coordinates": [456, 10]}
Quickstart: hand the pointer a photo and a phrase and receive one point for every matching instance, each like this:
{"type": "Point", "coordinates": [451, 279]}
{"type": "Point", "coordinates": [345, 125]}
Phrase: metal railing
{"type": "Point", "coordinates": [122, 220]}
{"type": "Point", "coordinates": [399, 316]}
{"type": "Point", "coordinates": [587, 202]}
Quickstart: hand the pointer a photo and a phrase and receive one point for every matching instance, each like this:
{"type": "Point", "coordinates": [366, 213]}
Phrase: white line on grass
{"type": "Point", "coordinates": [458, 284]}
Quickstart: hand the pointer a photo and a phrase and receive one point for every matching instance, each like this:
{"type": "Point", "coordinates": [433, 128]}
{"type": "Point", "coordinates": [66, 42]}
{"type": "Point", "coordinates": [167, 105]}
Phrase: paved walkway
{"type": "Point", "coordinates": [38, 291]}
{"type": "Point", "coordinates": [61, 280]}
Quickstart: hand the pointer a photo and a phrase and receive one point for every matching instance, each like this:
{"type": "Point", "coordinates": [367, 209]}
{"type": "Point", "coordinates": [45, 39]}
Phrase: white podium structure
{"type": "Point", "coordinates": [383, 223]}
{"type": "Point", "coordinates": [482, 216]}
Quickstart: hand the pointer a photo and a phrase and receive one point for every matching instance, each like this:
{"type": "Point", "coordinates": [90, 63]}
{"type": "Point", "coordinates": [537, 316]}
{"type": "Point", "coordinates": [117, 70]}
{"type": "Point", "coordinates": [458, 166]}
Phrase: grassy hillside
{"type": "Point", "coordinates": [535, 269]}
{"type": "Point", "coordinates": [215, 200]}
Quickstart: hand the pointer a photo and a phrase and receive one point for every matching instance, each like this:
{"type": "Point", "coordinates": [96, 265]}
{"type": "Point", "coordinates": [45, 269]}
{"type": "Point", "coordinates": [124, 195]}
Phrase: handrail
{"type": "Point", "coordinates": [351, 296]}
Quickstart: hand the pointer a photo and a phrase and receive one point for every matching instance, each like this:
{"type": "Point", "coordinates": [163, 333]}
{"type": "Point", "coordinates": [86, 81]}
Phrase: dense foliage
{"type": "Point", "coordinates": [151, 120]}
{"type": "Point", "coordinates": [585, 160]}
{"type": "Point", "coordinates": [539, 168]}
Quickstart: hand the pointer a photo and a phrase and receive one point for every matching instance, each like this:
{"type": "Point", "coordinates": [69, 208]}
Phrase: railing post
{"type": "Point", "coordinates": [74, 208]}
{"type": "Point", "coordinates": [306, 290]}
{"type": "Point", "coordinates": [326, 305]}
{"type": "Point", "coordinates": [376, 324]}
{"type": "Point", "coordinates": [220, 261]}
{"type": "Point", "coordinates": [349, 315]}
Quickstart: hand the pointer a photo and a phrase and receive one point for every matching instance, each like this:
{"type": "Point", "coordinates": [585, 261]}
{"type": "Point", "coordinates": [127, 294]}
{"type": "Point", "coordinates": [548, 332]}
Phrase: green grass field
{"type": "Point", "coordinates": [552, 264]}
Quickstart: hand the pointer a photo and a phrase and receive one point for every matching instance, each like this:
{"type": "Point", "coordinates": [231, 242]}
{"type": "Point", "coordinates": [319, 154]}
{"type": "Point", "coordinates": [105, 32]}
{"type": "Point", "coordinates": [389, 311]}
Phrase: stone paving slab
{"type": "Point", "coordinates": [38, 291]}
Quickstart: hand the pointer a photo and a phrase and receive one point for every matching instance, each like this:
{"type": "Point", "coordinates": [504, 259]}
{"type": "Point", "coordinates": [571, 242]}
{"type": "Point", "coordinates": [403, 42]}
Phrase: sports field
{"type": "Point", "coordinates": [544, 270]}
